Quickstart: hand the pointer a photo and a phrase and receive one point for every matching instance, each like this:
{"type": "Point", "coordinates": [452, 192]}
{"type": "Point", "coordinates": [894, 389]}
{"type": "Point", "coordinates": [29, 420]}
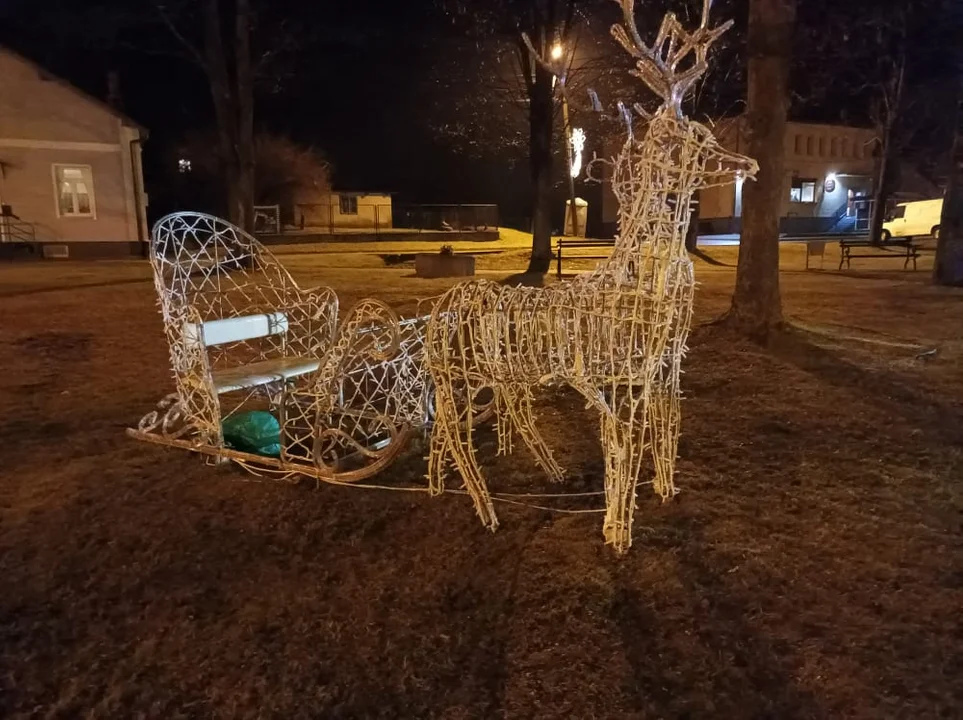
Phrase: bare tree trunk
{"type": "Point", "coordinates": [245, 115]}
{"type": "Point", "coordinates": [948, 265]}
{"type": "Point", "coordinates": [233, 107]}
{"type": "Point", "coordinates": [692, 232]}
{"type": "Point", "coordinates": [756, 303]}
{"type": "Point", "coordinates": [541, 117]}
{"type": "Point", "coordinates": [883, 187]}
{"type": "Point", "coordinates": [880, 188]}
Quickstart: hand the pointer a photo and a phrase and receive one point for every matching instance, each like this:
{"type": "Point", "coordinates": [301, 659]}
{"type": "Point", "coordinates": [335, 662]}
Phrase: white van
{"type": "Point", "coordinates": [913, 219]}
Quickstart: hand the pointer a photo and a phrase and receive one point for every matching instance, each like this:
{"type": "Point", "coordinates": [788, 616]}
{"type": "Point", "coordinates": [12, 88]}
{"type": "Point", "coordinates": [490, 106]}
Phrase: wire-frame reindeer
{"type": "Point", "coordinates": [616, 335]}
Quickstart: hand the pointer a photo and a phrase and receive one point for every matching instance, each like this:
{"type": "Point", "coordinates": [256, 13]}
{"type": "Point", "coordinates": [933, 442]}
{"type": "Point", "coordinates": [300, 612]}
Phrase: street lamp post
{"type": "Point", "coordinates": [556, 56]}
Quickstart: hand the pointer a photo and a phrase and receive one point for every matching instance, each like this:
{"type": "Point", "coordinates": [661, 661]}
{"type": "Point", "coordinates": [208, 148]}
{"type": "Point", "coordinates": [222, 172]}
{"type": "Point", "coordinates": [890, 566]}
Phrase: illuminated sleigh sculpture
{"type": "Point", "coordinates": [243, 336]}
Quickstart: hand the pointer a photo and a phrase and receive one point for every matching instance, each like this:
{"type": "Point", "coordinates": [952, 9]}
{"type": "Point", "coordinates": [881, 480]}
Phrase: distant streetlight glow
{"type": "Point", "coordinates": [556, 51]}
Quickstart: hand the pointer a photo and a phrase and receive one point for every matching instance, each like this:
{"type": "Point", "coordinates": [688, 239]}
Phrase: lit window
{"type": "Point", "coordinates": [184, 165]}
{"type": "Point", "coordinates": [349, 204]}
{"type": "Point", "coordinates": [802, 190]}
{"type": "Point", "coordinates": [74, 189]}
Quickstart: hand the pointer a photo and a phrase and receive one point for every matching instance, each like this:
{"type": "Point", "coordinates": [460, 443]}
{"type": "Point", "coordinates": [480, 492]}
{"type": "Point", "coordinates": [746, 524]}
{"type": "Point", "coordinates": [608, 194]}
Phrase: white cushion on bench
{"type": "Point", "coordinates": [263, 372]}
{"type": "Point", "coordinates": [236, 329]}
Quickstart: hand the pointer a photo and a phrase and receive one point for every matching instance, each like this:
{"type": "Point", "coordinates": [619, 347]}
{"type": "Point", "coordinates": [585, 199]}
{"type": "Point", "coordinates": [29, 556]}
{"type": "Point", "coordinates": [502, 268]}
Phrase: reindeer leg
{"type": "Point", "coordinates": [439, 455]}
{"type": "Point", "coordinates": [664, 415]}
{"type": "Point", "coordinates": [519, 407]}
{"type": "Point", "coordinates": [453, 425]}
{"type": "Point", "coordinates": [624, 446]}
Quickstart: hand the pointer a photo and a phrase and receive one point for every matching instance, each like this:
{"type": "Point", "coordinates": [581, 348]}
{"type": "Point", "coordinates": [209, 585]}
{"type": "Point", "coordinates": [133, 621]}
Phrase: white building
{"type": "Point", "coordinates": [828, 169]}
{"type": "Point", "coordinates": [70, 167]}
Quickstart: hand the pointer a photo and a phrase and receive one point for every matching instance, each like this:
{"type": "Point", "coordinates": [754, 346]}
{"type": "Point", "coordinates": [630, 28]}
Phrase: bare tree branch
{"type": "Point", "coordinates": [192, 51]}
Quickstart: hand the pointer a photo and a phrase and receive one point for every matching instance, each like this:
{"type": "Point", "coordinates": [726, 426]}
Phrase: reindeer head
{"type": "Point", "coordinates": [687, 152]}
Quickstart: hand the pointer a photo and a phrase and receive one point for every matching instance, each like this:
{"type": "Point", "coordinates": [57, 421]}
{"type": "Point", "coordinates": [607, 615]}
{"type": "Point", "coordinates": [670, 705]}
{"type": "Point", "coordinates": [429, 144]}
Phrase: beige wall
{"type": "Point", "coordinates": [374, 211]}
{"type": "Point", "coordinates": [44, 122]}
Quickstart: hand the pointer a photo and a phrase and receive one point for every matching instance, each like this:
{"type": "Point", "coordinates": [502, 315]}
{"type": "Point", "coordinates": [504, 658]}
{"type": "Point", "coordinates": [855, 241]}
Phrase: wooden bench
{"type": "Point", "coordinates": [576, 243]}
{"type": "Point", "coordinates": [904, 249]}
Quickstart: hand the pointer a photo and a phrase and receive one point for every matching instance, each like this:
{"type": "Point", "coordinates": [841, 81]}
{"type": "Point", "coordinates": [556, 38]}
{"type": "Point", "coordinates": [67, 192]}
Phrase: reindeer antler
{"type": "Point", "coordinates": [658, 66]}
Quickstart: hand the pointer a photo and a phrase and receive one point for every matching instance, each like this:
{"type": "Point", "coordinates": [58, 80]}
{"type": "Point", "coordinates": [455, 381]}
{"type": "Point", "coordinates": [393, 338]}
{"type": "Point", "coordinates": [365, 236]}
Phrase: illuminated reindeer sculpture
{"type": "Point", "coordinates": [616, 335]}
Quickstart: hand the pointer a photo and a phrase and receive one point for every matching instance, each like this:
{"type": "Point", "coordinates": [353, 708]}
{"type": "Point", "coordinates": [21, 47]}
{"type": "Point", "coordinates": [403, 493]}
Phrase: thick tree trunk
{"type": "Point", "coordinates": [541, 117]}
{"type": "Point", "coordinates": [756, 303]}
{"type": "Point", "coordinates": [948, 266]}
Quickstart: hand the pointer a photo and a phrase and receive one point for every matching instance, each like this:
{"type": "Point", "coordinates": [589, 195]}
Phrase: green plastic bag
{"type": "Point", "coordinates": [256, 431]}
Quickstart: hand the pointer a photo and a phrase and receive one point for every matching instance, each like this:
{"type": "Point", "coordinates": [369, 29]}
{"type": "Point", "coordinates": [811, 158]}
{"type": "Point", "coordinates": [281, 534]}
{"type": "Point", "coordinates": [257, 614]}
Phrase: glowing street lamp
{"type": "Point", "coordinates": [557, 51]}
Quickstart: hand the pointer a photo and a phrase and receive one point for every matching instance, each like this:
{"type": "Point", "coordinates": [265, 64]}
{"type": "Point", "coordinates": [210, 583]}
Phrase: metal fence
{"type": "Point", "coordinates": [464, 218]}
{"type": "Point", "coordinates": [365, 216]}
{"type": "Point", "coordinates": [14, 230]}
{"type": "Point", "coordinates": [358, 215]}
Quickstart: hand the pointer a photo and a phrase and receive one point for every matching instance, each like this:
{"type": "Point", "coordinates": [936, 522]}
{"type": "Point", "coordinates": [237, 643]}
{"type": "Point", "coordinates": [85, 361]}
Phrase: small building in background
{"type": "Point", "coordinates": [70, 167]}
{"type": "Point", "coordinates": [827, 184]}
{"type": "Point", "coordinates": [342, 210]}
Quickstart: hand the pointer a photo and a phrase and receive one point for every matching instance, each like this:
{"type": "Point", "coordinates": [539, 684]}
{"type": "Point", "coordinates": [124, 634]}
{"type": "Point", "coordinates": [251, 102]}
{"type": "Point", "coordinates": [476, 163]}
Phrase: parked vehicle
{"type": "Point", "coordinates": [913, 220]}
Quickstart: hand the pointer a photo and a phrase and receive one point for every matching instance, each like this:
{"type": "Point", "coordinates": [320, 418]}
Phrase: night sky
{"type": "Point", "coordinates": [378, 87]}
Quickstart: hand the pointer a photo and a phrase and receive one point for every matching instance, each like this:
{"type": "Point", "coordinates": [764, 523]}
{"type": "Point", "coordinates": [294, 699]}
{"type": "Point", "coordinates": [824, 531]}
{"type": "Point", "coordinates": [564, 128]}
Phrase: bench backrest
{"type": "Point", "coordinates": [236, 329]}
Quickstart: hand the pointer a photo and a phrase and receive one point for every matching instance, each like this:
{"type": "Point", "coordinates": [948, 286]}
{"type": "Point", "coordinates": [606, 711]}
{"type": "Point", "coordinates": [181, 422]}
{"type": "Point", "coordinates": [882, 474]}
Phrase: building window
{"type": "Point", "coordinates": [799, 145]}
{"type": "Point", "coordinates": [810, 145]}
{"type": "Point", "coordinates": [833, 147]}
{"type": "Point", "coordinates": [845, 147]}
{"type": "Point", "coordinates": [74, 190]}
{"type": "Point", "coordinates": [822, 147]}
{"type": "Point", "coordinates": [803, 190]}
{"type": "Point", "coordinates": [349, 204]}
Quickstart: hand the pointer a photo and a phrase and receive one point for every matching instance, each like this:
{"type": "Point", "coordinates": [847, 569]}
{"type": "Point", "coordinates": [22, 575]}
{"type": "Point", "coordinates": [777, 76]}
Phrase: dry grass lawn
{"type": "Point", "coordinates": [812, 566]}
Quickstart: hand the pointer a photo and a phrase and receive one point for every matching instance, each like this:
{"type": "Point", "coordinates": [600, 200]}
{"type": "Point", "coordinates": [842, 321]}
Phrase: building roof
{"type": "Point", "coordinates": [50, 77]}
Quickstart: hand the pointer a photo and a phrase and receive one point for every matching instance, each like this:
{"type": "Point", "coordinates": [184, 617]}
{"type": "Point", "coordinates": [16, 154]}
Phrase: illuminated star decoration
{"type": "Point", "coordinates": [578, 144]}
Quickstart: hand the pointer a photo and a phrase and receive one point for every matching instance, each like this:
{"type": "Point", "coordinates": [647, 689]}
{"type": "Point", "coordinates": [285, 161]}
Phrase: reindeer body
{"type": "Point", "coordinates": [616, 335]}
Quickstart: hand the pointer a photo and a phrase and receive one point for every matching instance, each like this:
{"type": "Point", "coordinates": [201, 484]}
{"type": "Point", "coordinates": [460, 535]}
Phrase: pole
{"type": "Point", "coordinates": [568, 158]}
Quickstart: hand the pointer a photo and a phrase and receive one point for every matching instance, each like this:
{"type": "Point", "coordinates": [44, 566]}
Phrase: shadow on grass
{"type": "Point", "coordinates": [526, 279]}
{"type": "Point", "coordinates": [708, 259]}
{"type": "Point", "coordinates": [664, 656]}
{"type": "Point", "coordinates": [72, 286]}
{"type": "Point", "coordinates": [893, 393]}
